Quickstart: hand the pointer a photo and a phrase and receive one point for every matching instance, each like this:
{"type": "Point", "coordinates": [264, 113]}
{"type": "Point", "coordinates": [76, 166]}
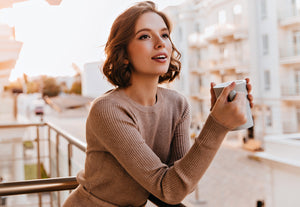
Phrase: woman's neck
{"type": "Point", "coordinates": [143, 93]}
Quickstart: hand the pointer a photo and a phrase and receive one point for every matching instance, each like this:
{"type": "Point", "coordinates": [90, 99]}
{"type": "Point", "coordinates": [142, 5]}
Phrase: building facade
{"type": "Point", "coordinates": [9, 52]}
{"type": "Point", "coordinates": [225, 40]}
{"type": "Point", "coordinates": [94, 82]}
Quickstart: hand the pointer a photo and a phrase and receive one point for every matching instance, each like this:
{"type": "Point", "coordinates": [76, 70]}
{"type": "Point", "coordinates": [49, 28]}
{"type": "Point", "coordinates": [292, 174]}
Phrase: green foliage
{"type": "Point", "coordinates": [50, 87]}
{"type": "Point", "coordinates": [46, 85]}
{"type": "Point", "coordinates": [76, 87]}
{"type": "Point", "coordinates": [33, 87]}
{"type": "Point", "coordinates": [28, 144]}
{"type": "Point", "coordinates": [14, 86]}
{"type": "Point", "coordinates": [31, 172]}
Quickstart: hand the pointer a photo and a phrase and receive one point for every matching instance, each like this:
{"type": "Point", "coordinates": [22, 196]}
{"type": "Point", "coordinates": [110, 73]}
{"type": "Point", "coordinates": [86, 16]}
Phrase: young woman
{"type": "Point", "coordinates": [138, 134]}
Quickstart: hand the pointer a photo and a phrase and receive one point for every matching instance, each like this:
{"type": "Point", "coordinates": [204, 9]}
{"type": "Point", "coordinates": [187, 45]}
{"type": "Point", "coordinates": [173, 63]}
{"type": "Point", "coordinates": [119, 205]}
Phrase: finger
{"type": "Point", "coordinates": [212, 84]}
{"type": "Point", "coordinates": [213, 95]}
{"type": "Point", "coordinates": [226, 91]}
{"type": "Point", "coordinates": [250, 97]}
{"type": "Point", "coordinates": [247, 80]}
{"type": "Point", "coordinates": [249, 87]}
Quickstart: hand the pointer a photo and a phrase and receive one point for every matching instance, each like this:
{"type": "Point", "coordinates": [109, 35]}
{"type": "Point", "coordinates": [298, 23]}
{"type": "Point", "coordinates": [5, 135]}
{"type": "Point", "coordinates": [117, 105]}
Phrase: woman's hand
{"type": "Point", "coordinates": [249, 88]}
{"type": "Point", "coordinates": [230, 114]}
{"type": "Point", "coordinates": [213, 98]}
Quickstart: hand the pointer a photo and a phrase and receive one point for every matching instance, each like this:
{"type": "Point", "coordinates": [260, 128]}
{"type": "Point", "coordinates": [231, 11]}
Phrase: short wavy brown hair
{"type": "Point", "coordinates": [122, 32]}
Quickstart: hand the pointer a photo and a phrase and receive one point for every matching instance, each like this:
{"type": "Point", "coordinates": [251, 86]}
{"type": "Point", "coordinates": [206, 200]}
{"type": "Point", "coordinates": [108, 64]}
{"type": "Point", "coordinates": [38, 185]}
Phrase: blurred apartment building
{"type": "Point", "coordinates": [9, 47]}
{"type": "Point", "coordinates": [224, 40]}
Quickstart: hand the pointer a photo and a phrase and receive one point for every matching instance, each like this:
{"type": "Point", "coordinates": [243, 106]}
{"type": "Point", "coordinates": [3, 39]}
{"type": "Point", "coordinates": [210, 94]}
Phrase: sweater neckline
{"type": "Point", "coordinates": [140, 106]}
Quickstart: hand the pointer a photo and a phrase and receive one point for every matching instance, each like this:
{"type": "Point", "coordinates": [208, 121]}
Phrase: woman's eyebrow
{"type": "Point", "coordinates": [149, 30]}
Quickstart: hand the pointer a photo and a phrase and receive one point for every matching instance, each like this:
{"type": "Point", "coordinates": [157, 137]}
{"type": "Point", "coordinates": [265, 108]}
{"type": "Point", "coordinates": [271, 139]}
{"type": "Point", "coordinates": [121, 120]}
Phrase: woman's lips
{"type": "Point", "coordinates": [161, 58]}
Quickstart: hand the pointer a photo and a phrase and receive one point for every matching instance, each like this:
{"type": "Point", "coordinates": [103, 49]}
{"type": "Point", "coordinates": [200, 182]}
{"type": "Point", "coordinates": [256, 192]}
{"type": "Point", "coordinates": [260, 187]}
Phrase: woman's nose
{"type": "Point", "coordinates": [159, 43]}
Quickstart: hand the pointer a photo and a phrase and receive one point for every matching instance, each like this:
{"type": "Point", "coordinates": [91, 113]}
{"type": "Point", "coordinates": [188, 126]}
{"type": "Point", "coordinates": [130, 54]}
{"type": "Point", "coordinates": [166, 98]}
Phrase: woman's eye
{"type": "Point", "coordinates": [144, 37]}
{"type": "Point", "coordinates": [165, 35]}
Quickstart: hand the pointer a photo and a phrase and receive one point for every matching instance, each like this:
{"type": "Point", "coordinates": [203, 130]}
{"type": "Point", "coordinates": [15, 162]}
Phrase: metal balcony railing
{"type": "Point", "coordinates": [290, 50]}
{"type": "Point", "coordinates": [56, 187]}
{"type": "Point", "coordinates": [38, 186]}
{"type": "Point", "coordinates": [289, 13]}
{"type": "Point", "coordinates": [47, 161]}
{"type": "Point", "coordinates": [290, 90]}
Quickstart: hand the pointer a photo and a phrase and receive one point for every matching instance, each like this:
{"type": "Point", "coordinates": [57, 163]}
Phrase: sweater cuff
{"type": "Point", "coordinates": [212, 133]}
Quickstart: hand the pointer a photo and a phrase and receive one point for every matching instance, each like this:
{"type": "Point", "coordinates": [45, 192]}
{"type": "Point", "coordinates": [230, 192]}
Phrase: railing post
{"type": "Point", "coordinates": [70, 158]}
{"type": "Point", "coordinates": [57, 154]}
{"type": "Point", "coordinates": [57, 163]}
{"type": "Point", "coordinates": [50, 165]}
{"type": "Point", "coordinates": [38, 161]}
{"type": "Point", "coordinates": [59, 133]}
{"type": "Point", "coordinates": [38, 152]}
{"type": "Point", "coordinates": [49, 148]}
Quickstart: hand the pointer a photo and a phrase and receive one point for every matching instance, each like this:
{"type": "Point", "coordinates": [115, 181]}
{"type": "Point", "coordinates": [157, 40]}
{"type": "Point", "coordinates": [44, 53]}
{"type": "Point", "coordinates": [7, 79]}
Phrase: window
{"type": "Point", "coordinates": [200, 83]}
{"type": "Point", "coordinates": [197, 27]}
{"type": "Point", "coordinates": [222, 17]}
{"type": "Point", "coordinates": [296, 42]}
{"type": "Point", "coordinates": [269, 117]}
{"type": "Point", "coordinates": [267, 77]}
{"type": "Point", "coordinates": [237, 9]}
{"type": "Point", "coordinates": [238, 50]}
{"type": "Point", "coordinates": [237, 12]}
{"type": "Point", "coordinates": [201, 110]}
{"type": "Point", "coordinates": [263, 9]}
{"type": "Point", "coordinates": [298, 117]}
{"type": "Point", "coordinates": [265, 44]}
{"type": "Point", "coordinates": [198, 58]}
{"type": "Point", "coordinates": [297, 81]}
{"type": "Point", "coordinates": [223, 51]}
{"type": "Point", "coordinates": [296, 7]}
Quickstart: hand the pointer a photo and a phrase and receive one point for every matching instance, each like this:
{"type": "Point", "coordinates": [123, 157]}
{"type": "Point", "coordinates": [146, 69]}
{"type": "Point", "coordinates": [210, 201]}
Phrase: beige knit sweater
{"type": "Point", "coordinates": [135, 150]}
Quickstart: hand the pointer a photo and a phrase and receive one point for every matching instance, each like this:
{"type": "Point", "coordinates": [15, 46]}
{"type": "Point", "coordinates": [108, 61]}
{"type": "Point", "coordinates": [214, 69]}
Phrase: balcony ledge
{"type": "Point", "coordinates": [290, 60]}
{"type": "Point", "coordinates": [290, 21]}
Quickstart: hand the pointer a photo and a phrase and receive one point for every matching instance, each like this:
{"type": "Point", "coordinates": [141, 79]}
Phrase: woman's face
{"type": "Point", "coordinates": [150, 49]}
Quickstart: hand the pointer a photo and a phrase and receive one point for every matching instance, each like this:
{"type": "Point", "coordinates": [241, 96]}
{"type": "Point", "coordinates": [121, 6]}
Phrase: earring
{"type": "Point", "coordinates": [126, 62]}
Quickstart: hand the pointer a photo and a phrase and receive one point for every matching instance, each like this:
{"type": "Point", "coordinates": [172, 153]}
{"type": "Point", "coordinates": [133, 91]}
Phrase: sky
{"type": "Point", "coordinates": [54, 37]}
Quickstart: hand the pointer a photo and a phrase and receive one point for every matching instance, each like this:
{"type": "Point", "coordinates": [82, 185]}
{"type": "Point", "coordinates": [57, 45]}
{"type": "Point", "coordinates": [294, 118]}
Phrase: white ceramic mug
{"type": "Point", "coordinates": [240, 87]}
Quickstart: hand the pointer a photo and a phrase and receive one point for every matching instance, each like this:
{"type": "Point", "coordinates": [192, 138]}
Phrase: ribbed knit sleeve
{"type": "Point", "coordinates": [116, 130]}
{"type": "Point", "coordinates": [181, 141]}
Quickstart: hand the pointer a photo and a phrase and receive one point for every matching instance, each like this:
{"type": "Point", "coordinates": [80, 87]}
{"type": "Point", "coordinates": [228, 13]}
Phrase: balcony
{"type": "Point", "coordinates": [217, 34]}
{"type": "Point", "coordinates": [200, 93]}
{"type": "Point", "coordinates": [197, 40]}
{"type": "Point", "coordinates": [42, 158]}
{"type": "Point", "coordinates": [198, 67]}
{"type": "Point", "coordinates": [290, 55]}
{"type": "Point", "coordinates": [282, 155]}
{"type": "Point", "coordinates": [221, 33]}
{"type": "Point", "coordinates": [227, 65]}
{"type": "Point", "coordinates": [290, 93]}
{"type": "Point", "coordinates": [38, 151]}
{"type": "Point", "coordinates": [9, 51]}
{"type": "Point", "coordinates": [56, 185]}
{"type": "Point", "coordinates": [289, 18]}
